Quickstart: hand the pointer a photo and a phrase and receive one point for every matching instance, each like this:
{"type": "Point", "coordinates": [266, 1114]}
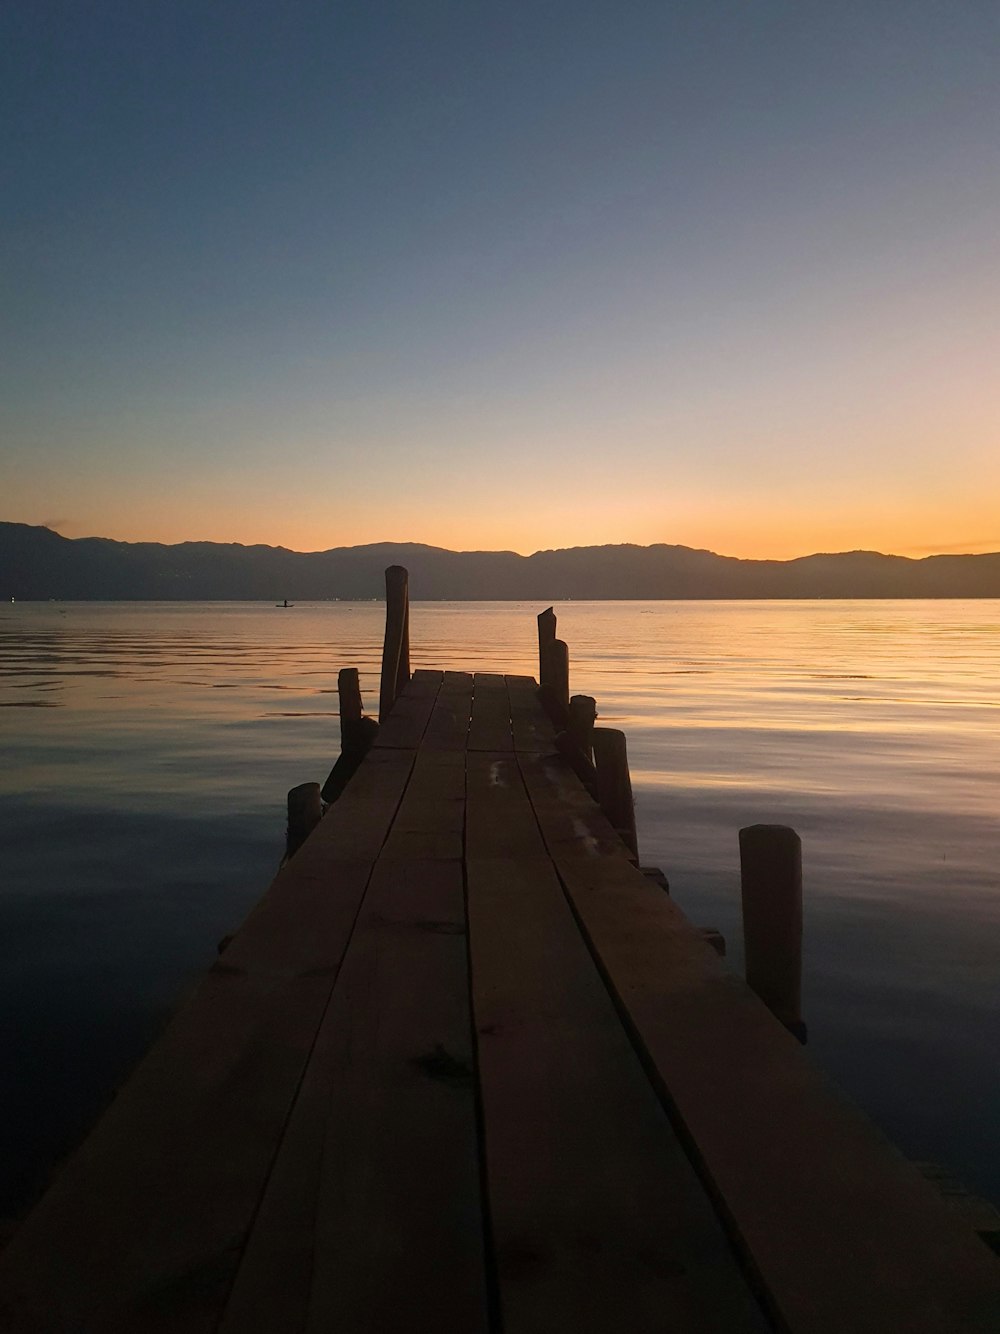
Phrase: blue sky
{"type": "Point", "coordinates": [517, 275]}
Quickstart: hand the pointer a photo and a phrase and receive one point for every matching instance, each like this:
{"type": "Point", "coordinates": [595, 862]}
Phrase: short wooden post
{"type": "Point", "coordinates": [546, 636]}
{"type": "Point", "coordinates": [394, 664]}
{"type": "Point", "coordinates": [351, 707]}
{"type": "Point", "coordinates": [305, 810]}
{"type": "Point", "coordinates": [582, 716]}
{"type": "Point", "coordinates": [356, 734]}
{"type": "Point", "coordinates": [614, 785]}
{"type": "Point", "coordinates": [771, 881]}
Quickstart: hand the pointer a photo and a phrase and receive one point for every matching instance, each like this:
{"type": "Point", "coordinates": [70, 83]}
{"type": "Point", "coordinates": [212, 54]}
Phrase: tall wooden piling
{"type": "Point", "coordinates": [305, 809]}
{"type": "Point", "coordinates": [396, 646]}
{"type": "Point", "coordinates": [557, 686]}
{"type": "Point", "coordinates": [614, 784]}
{"type": "Point", "coordinates": [771, 882]}
{"type": "Point", "coordinates": [546, 636]}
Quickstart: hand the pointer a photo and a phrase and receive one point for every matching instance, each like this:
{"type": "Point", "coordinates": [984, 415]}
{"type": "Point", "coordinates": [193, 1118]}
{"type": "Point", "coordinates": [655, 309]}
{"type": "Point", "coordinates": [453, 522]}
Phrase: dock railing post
{"type": "Point", "coordinates": [771, 884]}
{"type": "Point", "coordinates": [305, 809]}
{"type": "Point", "coordinates": [614, 784]}
{"type": "Point", "coordinates": [396, 646]}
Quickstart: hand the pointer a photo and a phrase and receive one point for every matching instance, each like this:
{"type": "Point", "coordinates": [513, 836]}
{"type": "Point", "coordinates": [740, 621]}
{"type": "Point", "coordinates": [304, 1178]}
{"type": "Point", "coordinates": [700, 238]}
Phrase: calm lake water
{"type": "Point", "coordinates": [149, 747]}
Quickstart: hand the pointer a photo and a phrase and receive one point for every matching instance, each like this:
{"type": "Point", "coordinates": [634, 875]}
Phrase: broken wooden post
{"type": "Point", "coordinates": [356, 734]}
{"type": "Point", "coordinates": [771, 882]}
{"type": "Point", "coordinates": [351, 707]}
{"type": "Point", "coordinates": [395, 662]}
{"type": "Point", "coordinates": [580, 725]}
{"type": "Point", "coordinates": [614, 785]}
{"type": "Point", "coordinates": [305, 810]}
{"type": "Point", "coordinates": [546, 636]}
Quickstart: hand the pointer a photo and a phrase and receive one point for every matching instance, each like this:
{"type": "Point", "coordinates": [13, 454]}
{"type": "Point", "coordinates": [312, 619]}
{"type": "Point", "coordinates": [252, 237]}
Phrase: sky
{"type": "Point", "coordinates": [516, 275]}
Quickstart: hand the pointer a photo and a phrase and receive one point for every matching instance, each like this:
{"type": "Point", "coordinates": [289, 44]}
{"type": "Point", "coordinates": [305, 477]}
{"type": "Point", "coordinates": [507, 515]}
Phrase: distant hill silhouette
{"type": "Point", "coordinates": [36, 563]}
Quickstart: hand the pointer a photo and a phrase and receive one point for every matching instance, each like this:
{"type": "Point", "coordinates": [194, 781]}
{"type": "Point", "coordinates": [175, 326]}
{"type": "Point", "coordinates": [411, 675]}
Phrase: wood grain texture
{"type": "Point", "coordinates": [371, 1219]}
{"type": "Point", "coordinates": [499, 818]}
{"type": "Point", "coordinates": [598, 1221]}
{"type": "Point", "coordinates": [403, 728]}
{"type": "Point", "coordinates": [448, 728]}
{"type": "Point", "coordinates": [532, 729]}
{"type": "Point", "coordinates": [843, 1233]}
{"type": "Point", "coordinates": [571, 822]}
{"type": "Point", "coordinates": [490, 728]}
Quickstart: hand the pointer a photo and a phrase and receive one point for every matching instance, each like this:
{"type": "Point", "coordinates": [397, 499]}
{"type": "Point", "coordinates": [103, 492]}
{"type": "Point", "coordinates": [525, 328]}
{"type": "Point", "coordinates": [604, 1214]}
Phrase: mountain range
{"type": "Point", "coordinates": [37, 564]}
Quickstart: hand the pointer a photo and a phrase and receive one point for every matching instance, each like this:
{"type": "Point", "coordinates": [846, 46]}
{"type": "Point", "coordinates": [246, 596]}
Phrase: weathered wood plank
{"type": "Point", "coordinates": [598, 1221]}
{"type": "Point", "coordinates": [404, 727]}
{"type": "Point", "coordinates": [843, 1233]}
{"type": "Point", "coordinates": [448, 728]}
{"type": "Point", "coordinates": [430, 822]}
{"type": "Point", "coordinates": [532, 728]}
{"type": "Point", "coordinates": [499, 821]}
{"type": "Point", "coordinates": [571, 821]}
{"type": "Point", "coordinates": [490, 729]}
{"type": "Point", "coordinates": [398, 1228]}
{"type": "Point", "coordinates": [143, 1228]}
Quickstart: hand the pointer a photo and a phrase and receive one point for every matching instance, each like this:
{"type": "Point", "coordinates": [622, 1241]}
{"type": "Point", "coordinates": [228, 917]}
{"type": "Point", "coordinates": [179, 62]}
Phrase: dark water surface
{"type": "Point", "coordinates": [148, 748]}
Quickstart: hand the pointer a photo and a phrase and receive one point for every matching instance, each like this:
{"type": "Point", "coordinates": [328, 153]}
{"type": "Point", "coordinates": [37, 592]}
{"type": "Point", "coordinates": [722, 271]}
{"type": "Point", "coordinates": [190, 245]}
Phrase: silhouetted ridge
{"type": "Point", "coordinates": [36, 563]}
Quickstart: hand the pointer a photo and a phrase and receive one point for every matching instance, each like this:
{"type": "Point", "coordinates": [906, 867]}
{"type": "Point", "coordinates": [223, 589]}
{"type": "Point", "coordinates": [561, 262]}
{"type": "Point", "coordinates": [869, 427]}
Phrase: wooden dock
{"type": "Point", "coordinates": [466, 1068]}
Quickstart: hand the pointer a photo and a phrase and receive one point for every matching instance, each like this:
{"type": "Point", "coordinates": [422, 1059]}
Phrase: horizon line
{"type": "Point", "coordinates": [929, 550]}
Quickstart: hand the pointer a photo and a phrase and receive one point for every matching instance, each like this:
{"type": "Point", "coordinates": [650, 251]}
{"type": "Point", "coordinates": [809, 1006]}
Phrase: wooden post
{"type": "Point", "coordinates": [403, 670]}
{"type": "Point", "coordinates": [305, 810]}
{"type": "Point", "coordinates": [546, 636]}
{"type": "Point", "coordinates": [557, 686]}
{"type": "Point", "coordinates": [582, 716]}
{"type": "Point", "coordinates": [614, 786]}
{"type": "Point", "coordinates": [396, 632]}
{"type": "Point", "coordinates": [771, 881]}
{"type": "Point", "coordinates": [351, 707]}
{"type": "Point", "coordinates": [356, 734]}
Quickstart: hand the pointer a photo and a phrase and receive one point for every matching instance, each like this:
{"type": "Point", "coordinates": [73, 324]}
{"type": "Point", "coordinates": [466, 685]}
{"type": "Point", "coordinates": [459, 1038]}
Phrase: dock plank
{"type": "Point", "coordinates": [841, 1231]}
{"type": "Point", "coordinates": [371, 1219]}
{"type": "Point", "coordinates": [533, 732]}
{"type": "Point", "coordinates": [571, 822]}
{"type": "Point", "coordinates": [598, 1221]}
{"type": "Point", "coordinates": [430, 822]}
{"type": "Point", "coordinates": [499, 818]}
{"type": "Point", "coordinates": [400, 1186]}
{"type": "Point", "coordinates": [490, 729]}
{"type": "Point", "coordinates": [405, 726]}
{"type": "Point", "coordinates": [448, 728]}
